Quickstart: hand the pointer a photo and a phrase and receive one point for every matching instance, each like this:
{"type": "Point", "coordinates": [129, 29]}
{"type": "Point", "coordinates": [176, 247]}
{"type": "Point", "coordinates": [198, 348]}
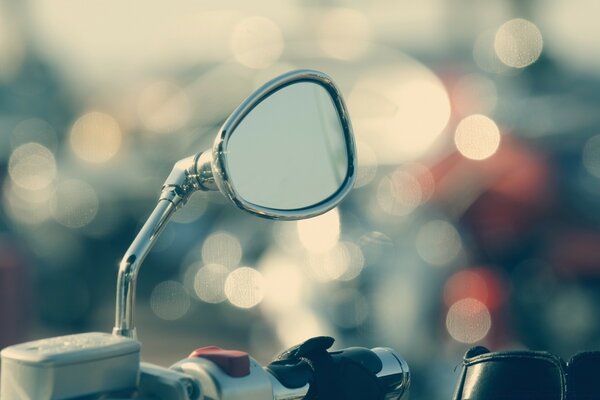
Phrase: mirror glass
{"type": "Point", "coordinates": [289, 152]}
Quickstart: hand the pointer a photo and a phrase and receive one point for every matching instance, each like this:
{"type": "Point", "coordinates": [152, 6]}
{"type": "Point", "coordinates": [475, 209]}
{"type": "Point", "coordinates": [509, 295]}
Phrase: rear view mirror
{"type": "Point", "coordinates": [287, 152]}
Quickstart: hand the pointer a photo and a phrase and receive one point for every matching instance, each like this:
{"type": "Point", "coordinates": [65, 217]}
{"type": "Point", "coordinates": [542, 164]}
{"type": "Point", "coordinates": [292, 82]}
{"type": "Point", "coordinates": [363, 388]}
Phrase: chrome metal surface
{"type": "Point", "coordinates": [179, 185]}
{"type": "Point", "coordinates": [219, 151]}
{"type": "Point", "coordinates": [163, 383]}
{"type": "Point", "coordinates": [216, 384]}
{"type": "Point", "coordinates": [204, 174]}
{"type": "Point", "coordinates": [394, 373]}
{"type": "Point", "coordinates": [131, 262]}
{"type": "Point", "coordinates": [183, 178]}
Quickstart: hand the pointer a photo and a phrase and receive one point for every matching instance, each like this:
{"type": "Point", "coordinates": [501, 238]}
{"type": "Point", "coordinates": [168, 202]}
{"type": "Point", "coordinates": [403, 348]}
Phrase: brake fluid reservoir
{"type": "Point", "coordinates": [69, 366]}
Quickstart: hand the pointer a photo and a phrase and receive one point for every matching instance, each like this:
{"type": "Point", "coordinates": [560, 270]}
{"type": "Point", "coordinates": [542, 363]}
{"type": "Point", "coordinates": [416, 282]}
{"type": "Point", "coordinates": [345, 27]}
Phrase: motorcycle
{"type": "Point", "coordinates": [287, 152]}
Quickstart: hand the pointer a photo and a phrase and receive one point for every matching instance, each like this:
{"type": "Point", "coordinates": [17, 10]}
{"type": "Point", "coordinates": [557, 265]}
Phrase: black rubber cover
{"type": "Point", "coordinates": [292, 373]}
{"type": "Point", "coordinates": [348, 374]}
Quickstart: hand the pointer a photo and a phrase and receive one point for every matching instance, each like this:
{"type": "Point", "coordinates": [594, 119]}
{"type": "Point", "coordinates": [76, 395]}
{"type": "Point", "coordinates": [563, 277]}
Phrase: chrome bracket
{"type": "Point", "coordinates": [183, 180]}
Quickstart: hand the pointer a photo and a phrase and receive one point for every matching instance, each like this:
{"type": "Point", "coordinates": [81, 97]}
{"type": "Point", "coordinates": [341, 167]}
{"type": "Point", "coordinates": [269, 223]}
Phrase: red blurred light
{"type": "Point", "coordinates": [481, 284]}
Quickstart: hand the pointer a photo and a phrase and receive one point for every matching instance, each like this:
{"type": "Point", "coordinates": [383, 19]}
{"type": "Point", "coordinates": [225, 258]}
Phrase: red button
{"type": "Point", "coordinates": [233, 362]}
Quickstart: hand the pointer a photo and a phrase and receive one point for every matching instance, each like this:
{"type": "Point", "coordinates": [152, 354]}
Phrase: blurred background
{"type": "Point", "coordinates": [475, 219]}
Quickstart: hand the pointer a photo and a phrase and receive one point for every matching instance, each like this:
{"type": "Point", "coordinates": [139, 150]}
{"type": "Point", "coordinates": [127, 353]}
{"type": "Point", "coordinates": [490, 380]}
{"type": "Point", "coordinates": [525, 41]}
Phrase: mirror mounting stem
{"type": "Point", "coordinates": [178, 187]}
{"type": "Point", "coordinates": [130, 265]}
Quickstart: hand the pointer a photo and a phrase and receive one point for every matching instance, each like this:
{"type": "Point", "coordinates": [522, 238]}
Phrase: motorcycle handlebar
{"type": "Point", "coordinates": [352, 373]}
{"type": "Point", "coordinates": [70, 367]}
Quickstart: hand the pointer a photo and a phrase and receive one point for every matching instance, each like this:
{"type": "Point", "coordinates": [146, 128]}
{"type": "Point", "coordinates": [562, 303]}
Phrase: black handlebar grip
{"type": "Point", "coordinates": [354, 373]}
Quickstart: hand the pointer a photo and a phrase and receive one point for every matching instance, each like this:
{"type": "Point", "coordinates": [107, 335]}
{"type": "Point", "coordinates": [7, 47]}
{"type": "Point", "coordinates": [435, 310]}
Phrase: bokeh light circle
{"type": "Point", "coordinates": [356, 261]}
{"type": "Point", "coordinates": [329, 265]}
{"type": "Point", "coordinates": [438, 242]}
{"type": "Point", "coordinates": [32, 166]}
{"type": "Point", "coordinates": [169, 300]}
{"type": "Point", "coordinates": [477, 137]}
{"type": "Point", "coordinates": [74, 204]}
{"type": "Point", "coordinates": [399, 193]}
{"type": "Point", "coordinates": [209, 283]}
{"type": "Point", "coordinates": [468, 321]}
{"type": "Point", "coordinates": [518, 43]}
{"type": "Point", "coordinates": [25, 206]}
{"type": "Point", "coordinates": [485, 55]}
{"type": "Point", "coordinates": [245, 287]}
{"type": "Point", "coordinates": [222, 248]}
{"type": "Point", "coordinates": [343, 262]}
{"type": "Point", "coordinates": [95, 137]}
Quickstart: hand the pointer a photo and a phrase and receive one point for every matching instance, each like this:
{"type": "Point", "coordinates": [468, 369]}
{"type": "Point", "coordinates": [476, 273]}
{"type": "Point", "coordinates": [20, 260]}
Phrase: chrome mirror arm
{"type": "Point", "coordinates": [187, 176]}
{"type": "Point", "coordinates": [130, 266]}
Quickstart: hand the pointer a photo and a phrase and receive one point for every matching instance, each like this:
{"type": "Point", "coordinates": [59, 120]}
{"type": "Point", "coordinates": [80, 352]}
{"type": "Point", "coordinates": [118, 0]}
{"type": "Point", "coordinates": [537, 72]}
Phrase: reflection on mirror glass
{"type": "Point", "coordinates": [289, 152]}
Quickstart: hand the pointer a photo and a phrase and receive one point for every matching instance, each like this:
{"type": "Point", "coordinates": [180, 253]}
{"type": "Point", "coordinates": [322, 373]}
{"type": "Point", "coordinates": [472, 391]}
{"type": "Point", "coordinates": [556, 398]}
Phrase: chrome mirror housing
{"type": "Point", "coordinates": [287, 152]}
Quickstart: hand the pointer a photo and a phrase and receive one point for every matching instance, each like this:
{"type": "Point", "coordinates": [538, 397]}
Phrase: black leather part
{"type": "Point", "coordinates": [362, 356]}
{"type": "Point", "coordinates": [293, 373]}
{"type": "Point", "coordinates": [342, 375]}
{"type": "Point", "coordinates": [515, 375]}
{"type": "Point", "coordinates": [476, 351]}
{"type": "Point", "coordinates": [358, 385]}
{"type": "Point", "coordinates": [583, 376]}
{"type": "Point", "coordinates": [324, 382]}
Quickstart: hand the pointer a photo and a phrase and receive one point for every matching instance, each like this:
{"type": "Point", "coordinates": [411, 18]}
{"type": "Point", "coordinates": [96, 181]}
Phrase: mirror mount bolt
{"type": "Point", "coordinates": [185, 179]}
{"type": "Point", "coordinates": [203, 173]}
{"type": "Point", "coordinates": [187, 176]}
